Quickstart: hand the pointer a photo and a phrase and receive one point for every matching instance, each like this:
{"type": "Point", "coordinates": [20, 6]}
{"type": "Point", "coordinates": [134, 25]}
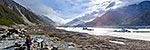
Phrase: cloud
{"type": "Point", "coordinates": [71, 9]}
{"type": "Point", "coordinates": [100, 5]}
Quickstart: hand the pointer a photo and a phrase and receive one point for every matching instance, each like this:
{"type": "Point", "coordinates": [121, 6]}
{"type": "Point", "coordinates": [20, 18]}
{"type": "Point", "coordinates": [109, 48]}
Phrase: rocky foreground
{"type": "Point", "coordinates": [66, 40]}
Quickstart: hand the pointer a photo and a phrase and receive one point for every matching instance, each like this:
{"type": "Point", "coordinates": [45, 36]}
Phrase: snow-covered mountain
{"type": "Point", "coordinates": [132, 15]}
{"type": "Point", "coordinates": [90, 16]}
{"type": "Point", "coordinates": [112, 13]}
{"type": "Point", "coordinates": [83, 19]}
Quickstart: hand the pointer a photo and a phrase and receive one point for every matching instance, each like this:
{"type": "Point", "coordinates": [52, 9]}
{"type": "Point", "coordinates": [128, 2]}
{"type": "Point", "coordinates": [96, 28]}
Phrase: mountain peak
{"type": "Point", "coordinates": [122, 15]}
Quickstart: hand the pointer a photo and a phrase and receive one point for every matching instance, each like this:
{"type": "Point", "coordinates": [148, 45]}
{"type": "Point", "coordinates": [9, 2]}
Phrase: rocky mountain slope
{"type": "Point", "coordinates": [133, 15]}
{"type": "Point", "coordinates": [7, 16]}
{"type": "Point", "coordinates": [17, 14]}
{"type": "Point", "coordinates": [141, 19]}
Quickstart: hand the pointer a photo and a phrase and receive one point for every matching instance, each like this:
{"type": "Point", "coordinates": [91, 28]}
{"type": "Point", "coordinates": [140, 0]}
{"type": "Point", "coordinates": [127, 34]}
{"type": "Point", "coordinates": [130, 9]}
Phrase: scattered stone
{"type": "Point", "coordinates": [55, 48]}
{"type": "Point", "coordinates": [3, 36]}
{"type": "Point", "coordinates": [72, 41]}
{"type": "Point", "coordinates": [13, 31]}
{"type": "Point", "coordinates": [20, 48]}
{"type": "Point", "coordinates": [2, 29]}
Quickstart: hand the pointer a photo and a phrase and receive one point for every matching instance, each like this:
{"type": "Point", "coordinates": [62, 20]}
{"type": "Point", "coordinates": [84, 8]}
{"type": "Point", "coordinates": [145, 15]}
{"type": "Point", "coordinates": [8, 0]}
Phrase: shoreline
{"type": "Point", "coordinates": [140, 34]}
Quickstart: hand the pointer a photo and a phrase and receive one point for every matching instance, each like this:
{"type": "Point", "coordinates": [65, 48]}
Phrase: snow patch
{"type": "Point", "coordinates": [117, 42]}
{"type": "Point", "coordinates": [90, 20]}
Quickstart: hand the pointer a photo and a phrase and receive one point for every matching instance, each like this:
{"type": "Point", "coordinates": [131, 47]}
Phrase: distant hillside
{"type": "Point", "coordinates": [141, 19]}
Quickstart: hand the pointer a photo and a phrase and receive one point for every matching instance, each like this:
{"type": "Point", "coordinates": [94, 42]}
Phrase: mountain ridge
{"type": "Point", "coordinates": [28, 17]}
{"type": "Point", "coordinates": [119, 16]}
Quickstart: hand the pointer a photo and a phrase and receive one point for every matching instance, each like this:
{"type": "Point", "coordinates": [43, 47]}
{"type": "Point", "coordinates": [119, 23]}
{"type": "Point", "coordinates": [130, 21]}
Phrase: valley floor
{"type": "Point", "coordinates": [71, 40]}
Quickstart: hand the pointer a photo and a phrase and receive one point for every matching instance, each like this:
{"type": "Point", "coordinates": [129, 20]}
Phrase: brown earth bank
{"type": "Point", "coordinates": [84, 41]}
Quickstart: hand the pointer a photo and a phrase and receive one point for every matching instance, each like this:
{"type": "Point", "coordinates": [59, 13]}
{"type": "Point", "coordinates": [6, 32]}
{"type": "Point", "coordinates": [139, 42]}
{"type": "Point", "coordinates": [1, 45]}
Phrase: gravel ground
{"type": "Point", "coordinates": [50, 42]}
{"type": "Point", "coordinates": [67, 40]}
